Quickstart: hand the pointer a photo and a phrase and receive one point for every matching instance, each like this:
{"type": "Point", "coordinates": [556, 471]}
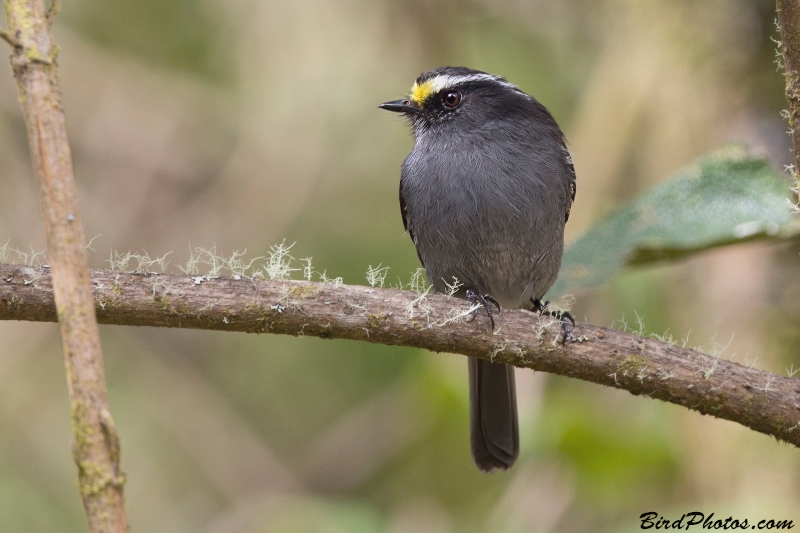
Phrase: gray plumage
{"type": "Point", "coordinates": [485, 195]}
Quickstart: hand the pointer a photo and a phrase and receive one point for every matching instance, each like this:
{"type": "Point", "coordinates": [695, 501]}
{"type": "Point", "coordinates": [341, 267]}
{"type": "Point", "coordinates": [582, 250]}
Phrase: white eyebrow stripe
{"type": "Point", "coordinates": [445, 81]}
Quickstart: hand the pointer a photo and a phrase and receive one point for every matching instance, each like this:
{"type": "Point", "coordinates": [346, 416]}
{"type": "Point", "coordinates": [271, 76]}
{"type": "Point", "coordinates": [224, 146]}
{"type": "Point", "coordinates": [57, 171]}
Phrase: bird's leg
{"type": "Point", "coordinates": [564, 316]}
{"type": "Point", "coordinates": [475, 297]}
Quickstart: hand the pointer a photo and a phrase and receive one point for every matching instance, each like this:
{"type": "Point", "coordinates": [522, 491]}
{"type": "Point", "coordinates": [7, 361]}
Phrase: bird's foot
{"type": "Point", "coordinates": [475, 297]}
{"type": "Point", "coordinates": [564, 316]}
{"type": "Point", "coordinates": [538, 306]}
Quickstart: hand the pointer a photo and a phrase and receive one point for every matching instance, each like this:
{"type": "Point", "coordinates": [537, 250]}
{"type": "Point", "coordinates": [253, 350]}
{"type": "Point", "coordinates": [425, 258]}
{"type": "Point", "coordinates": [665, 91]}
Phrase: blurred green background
{"type": "Point", "coordinates": [239, 123]}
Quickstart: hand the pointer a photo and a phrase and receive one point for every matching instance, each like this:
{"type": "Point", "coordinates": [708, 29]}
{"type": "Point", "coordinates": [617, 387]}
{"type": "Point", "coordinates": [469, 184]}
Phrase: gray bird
{"type": "Point", "coordinates": [485, 195]}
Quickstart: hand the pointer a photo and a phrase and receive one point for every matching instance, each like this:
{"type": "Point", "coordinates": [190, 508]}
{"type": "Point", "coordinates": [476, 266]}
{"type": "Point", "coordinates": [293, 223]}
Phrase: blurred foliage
{"type": "Point", "coordinates": [310, 516]}
{"type": "Point", "coordinates": [724, 198]}
{"type": "Point", "coordinates": [184, 35]}
{"type": "Point", "coordinates": [243, 123]}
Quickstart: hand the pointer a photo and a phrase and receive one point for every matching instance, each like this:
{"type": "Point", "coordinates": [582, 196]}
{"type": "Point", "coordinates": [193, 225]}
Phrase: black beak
{"type": "Point", "coordinates": [400, 106]}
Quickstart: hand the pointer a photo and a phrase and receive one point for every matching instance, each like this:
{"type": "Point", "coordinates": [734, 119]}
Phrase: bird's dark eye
{"type": "Point", "coordinates": [451, 99]}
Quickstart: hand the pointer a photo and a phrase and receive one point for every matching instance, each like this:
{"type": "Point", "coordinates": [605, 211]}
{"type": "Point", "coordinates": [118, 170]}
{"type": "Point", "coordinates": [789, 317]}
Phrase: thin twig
{"type": "Point", "coordinates": [55, 8]}
{"type": "Point", "coordinates": [10, 39]}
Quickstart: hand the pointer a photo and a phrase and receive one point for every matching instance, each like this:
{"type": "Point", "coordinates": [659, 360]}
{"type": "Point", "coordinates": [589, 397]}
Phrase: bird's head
{"type": "Point", "coordinates": [459, 98]}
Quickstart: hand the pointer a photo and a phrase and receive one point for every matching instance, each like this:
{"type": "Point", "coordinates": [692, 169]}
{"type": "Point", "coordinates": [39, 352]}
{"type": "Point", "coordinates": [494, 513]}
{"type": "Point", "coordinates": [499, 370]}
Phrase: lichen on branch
{"type": "Point", "coordinates": [658, 368]}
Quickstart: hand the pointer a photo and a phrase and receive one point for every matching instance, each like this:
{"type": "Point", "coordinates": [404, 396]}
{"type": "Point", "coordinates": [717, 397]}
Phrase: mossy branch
{"type": "Point", "coordinates": [762, 401]}
{"type": "Point", "coordinates": [96, 447]}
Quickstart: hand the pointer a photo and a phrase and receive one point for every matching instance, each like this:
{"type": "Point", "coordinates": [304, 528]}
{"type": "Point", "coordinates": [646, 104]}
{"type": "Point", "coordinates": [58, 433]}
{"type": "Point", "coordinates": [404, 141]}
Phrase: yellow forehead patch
{"type": "Point", "coordinates": [420, 93]}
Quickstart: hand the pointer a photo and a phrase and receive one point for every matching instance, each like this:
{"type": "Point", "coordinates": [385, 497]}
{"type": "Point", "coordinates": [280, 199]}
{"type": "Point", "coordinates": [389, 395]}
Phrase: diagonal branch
{"type": "Point", "coordinates": [96, 443]}
{"type": "Point", "coordinates": [789, 23]}
{"type": "Point", "coordinates": [764, 402]}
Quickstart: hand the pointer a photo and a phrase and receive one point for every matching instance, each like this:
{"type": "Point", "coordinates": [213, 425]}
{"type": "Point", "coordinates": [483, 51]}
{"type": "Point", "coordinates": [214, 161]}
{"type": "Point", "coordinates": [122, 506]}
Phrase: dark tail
{"type": "Point", "coordinates": [494, 427]}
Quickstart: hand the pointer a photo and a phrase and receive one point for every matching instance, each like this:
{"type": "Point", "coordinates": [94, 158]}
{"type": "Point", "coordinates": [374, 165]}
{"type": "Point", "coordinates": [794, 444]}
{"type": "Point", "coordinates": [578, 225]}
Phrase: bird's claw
{"type": "Point", "coordinates": [489, 298]}
{"type": "Point", "coordinates": [475, 297]}
{"type": "Point", "coordinates": [564, 316]}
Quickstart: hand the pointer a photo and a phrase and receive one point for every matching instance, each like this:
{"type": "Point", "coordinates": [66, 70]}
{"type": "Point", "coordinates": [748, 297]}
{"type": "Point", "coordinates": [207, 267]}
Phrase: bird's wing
{"type": "Point", "coordinates": [573, 182]}
{"type": "Point", "coordinates": [407, 222]}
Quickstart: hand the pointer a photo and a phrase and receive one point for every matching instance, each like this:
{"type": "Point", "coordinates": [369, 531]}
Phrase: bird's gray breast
{"type": "Point", "coordinates": [489, 214]}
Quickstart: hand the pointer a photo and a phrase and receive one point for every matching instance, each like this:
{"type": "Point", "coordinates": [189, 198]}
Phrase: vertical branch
{"type": "Point", "coordinates": [789, 23]}
{"type": "Point", "coordinates": [96, 445]}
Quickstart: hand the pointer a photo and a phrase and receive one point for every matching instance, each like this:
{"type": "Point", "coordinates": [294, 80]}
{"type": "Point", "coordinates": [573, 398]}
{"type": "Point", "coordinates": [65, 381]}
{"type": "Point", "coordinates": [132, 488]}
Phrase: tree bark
{"type": "Point", "coordinates": [789, 23]}
{"type": "Point", "coordinates": [762, 401]}
{"type": "Point", "coordinates": [96, 445]}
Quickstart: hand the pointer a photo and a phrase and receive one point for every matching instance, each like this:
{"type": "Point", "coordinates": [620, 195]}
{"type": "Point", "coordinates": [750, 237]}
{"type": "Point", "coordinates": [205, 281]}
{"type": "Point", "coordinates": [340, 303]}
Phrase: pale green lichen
{"type": "Point", "coordinates": [376, 276]}
{"type": "Point", "coordinates": [632, 365]}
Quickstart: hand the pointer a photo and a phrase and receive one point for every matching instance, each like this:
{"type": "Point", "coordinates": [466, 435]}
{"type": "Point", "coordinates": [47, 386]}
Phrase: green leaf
{"type": "Point", "coordinates": [727, 197]}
